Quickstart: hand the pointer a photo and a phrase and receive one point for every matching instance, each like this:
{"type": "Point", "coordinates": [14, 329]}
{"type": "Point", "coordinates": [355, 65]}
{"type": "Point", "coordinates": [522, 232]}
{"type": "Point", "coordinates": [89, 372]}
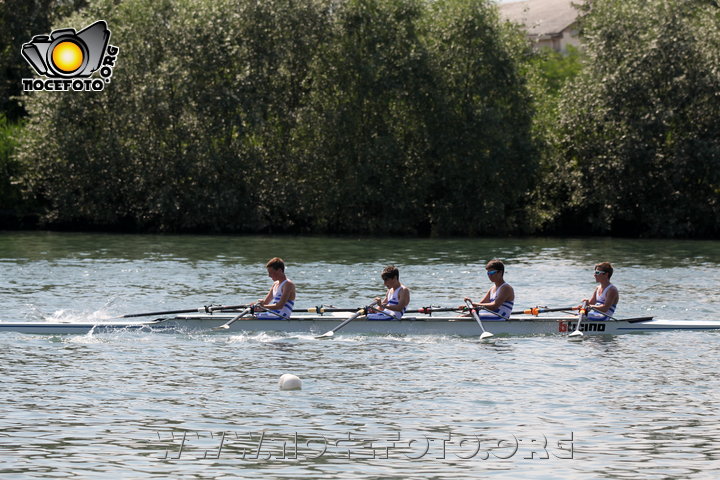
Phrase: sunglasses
{"type": "Point", "coordinates": [491, 272]}
{"type": "Point", "coordinates": [599, 272]}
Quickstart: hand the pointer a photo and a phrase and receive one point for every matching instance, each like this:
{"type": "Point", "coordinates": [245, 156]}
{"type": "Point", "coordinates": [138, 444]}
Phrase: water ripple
{"type": "Point", "coordinates": [133, 404]}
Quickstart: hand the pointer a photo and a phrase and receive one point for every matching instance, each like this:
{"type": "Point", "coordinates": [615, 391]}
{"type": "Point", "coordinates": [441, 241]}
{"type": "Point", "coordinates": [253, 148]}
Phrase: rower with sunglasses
{"type": "Point", "coordinates": [605, 298]}
{"type": "Point", "coordinates": [501, 296]}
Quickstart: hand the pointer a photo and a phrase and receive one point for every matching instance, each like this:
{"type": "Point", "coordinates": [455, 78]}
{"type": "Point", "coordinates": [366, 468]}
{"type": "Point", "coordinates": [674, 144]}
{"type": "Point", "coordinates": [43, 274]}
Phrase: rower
{"type": "Point", "coordinates": [605, 298]}
{"type": "Point", "coordinates": [281, 298]}
{"type": "Point", "coordinates": [500, 298]}
{"type": "Point", "coordinates": [393, 306]}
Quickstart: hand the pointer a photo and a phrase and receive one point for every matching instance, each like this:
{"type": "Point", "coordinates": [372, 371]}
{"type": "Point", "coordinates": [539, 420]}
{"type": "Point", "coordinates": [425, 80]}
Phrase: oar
{"type": "Point", "coordinates": [484, 334]}
{"type": "Point", "coordinates": [207, 309]}
{"type": "Point", "coordinates": [583, 313]}
{"type": "Point", "coordinates": [495, 313]}
{"type": "Point", "coordinates": [430, 310]}
{"type": "Point", "coordinates": [427, 310]}
{"type": "Point", "coordinates": [330, 333]}
{"type": "Point", "coordinates": [322, 309]}
{"type": "Point", "coordinates": [272, 312]}
{"type": "Point", "coordinates": [604, 314]}
{"type": "Point", "coordinates": [537, 310]}
{"type": "Point", "coordinates": [226, 325]}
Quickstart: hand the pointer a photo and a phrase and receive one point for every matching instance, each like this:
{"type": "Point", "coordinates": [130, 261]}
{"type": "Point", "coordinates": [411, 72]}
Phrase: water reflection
{"type": "Point", "coordinates": [53, 246]}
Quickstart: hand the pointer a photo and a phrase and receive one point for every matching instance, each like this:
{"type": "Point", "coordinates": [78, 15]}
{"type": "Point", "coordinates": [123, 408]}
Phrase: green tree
{"type": "Point", "coordinates": [9, 193]}
{"type": "Point", "coordinates": [484, 156]}
{"type": "Point", "coordinates": [418, 121]}
{"type": "Point", "coordinates": [179, 140]}
{"type": "Point", "coordinates": [548, 72]}
{"type": "Point", "coordinates": [20, 20]}
{"type": "Point", "coordinates": [371, 116]}
{"type": "Point", "coordinates": [636, 148]}
{"type": "Point", "coordinates": [363, 133]}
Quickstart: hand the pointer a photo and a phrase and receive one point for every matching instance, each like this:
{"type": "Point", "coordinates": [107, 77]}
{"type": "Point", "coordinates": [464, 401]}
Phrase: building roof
{"type": "Point", "coordinates": [541, 17]}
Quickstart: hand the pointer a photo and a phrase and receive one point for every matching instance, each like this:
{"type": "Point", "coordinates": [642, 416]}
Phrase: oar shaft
{"type": "Point", "coordinates": [350, 319]}
{"type": "Point", "coordinates": [494, 313]}
{"type": "Point", "coordinates": [152, 314]}
{"type": "Point", "coordinates": [429, 310]}
{"type": "Point", "coordinates": [583, 312]}
{"type": "Point", "coordinates": [426, 310]}
{"type": "Point", "coordinates": [234, 319]}
{"type": "Point", "coordinates": [359, 312]}
{"type": "Point", "coordinates": [271, 312]}
{"type": "Point", "coordinates": [603, 314]}
{"type": "Point", "coordinates": [207, 309]}
{"type": "Point", "coordinates": [537, 310]}
{"type": "Point", "coordinates": [485, 334]}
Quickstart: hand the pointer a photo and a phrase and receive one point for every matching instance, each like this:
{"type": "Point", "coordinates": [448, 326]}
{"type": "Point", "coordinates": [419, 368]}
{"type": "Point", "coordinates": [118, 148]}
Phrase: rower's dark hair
{"type": "Point", "coordinates": [276, 263]}
{"type": "Point", "coordinates": [390, 271]}
{"type": "Point", "coordinates": [605, 267]}
{"type": "Point", "coordinates": [495, 264]}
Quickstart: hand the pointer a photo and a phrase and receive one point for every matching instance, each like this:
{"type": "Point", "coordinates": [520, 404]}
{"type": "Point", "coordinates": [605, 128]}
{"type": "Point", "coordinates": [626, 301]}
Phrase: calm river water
{"type": "Point", "coordinates": [141, 405]}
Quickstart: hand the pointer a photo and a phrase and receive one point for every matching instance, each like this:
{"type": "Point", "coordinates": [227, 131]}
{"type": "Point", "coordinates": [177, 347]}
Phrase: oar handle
{"type": "Point", "coordinates": [367, 309]}
{"type": "Point", "coordinates": [475, 309]}
{"type": "Point", "coordinates": [472, 308]}
{"type": "Point", "coordinates": [583, 311]}
{"type": "Point", "coordinates": [485, 334]}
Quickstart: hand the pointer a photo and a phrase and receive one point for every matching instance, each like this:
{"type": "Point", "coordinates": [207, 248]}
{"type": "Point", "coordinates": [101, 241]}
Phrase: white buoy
{"type": "Point", "coordinates": [289, 382]}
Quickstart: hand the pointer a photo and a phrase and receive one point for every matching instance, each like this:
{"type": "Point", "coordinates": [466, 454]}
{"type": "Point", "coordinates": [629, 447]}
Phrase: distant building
{"type": "Point", "coordinates": [549, 23]}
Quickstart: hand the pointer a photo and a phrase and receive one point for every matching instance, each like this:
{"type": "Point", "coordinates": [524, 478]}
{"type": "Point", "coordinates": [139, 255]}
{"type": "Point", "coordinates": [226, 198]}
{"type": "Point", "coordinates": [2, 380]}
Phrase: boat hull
{"type": "Point", "coordinates": [409, 325]}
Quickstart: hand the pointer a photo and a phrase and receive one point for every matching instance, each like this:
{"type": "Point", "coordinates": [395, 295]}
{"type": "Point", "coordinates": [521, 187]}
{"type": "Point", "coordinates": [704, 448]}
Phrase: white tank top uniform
{"type": "Point", "coordinates": [505, 309]}
{"type": "Point", "coordinates": [593, 315]}
{"type": "Point", "coordinates": [389, 314]}
{"type": "Point", "coordinates": [284, 312]}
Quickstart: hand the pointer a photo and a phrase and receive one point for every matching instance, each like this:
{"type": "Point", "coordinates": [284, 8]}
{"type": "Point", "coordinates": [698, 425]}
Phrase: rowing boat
{"type": "Point", "coordinates": [409, 325]}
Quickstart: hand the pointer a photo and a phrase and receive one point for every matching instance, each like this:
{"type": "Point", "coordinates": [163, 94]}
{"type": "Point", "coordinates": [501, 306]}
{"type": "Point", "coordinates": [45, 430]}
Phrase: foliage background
{"type": "Point", "coordinates": [369, 116]}
{"type": "Point", "coordinates": [636, 145]}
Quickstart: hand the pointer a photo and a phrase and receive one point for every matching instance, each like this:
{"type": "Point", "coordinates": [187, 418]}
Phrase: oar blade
{"type": "Point", "coordinates": [486, 335]}
{"type": "Point", "coordinates": [325, 335]}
